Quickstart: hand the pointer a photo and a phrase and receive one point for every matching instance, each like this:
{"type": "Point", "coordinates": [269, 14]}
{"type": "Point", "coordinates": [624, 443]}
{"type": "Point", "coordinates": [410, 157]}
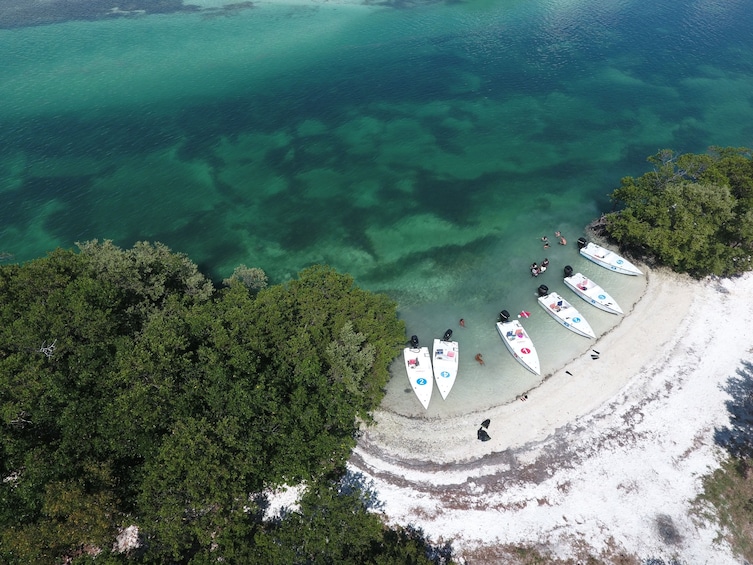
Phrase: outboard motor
{"type": "Point", "coordinates": [582, 242]}
{"type": "Point", "coordinates": [543, 290]}
{"type": "Point", "coordinates": [504, 316]}
{"type": "Point", "coordinates": [568, 271]}
{"type": "Point", "coordinates": [447, 335]}
{"type": "Point", "coordinates": [414, 341]}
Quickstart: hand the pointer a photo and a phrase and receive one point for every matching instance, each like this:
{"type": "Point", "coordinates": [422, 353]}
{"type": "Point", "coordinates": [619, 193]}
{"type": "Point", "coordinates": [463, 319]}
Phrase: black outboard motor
{"type": "Point", "coordinates": [582, 242]}
{"type": "Point", "coordinates": [504, 316]}
{"type": "Point", "coordinates": [543, 290]}
{"type": "Point", "coordinates": [414, 341]}
{"type": "Point", "coordinates": [447, 335]}
{"type": "Point", "coordinates": [568, 271]}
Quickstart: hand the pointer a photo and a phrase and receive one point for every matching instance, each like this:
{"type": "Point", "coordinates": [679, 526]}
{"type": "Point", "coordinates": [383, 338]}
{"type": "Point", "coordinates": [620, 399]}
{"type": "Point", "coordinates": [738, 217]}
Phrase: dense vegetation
{"type": "Point", "coordinates": [132, 392]}
{"type": "Point", "coordinates": [692, 213]}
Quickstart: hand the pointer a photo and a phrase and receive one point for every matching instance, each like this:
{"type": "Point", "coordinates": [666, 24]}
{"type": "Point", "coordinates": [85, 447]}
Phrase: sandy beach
{"type": "Point", "coordinates": [604, 458]}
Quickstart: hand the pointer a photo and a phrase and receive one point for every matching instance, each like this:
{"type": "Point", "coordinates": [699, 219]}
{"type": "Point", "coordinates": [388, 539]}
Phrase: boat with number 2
{"type": "Point", "coordinates": [418, 366]}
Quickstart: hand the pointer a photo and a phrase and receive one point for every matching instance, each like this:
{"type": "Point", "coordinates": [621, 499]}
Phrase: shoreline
{"type": "Point", "coordinates": [639, 419]}
{"type": "Point", "coordinates": [513, 419]}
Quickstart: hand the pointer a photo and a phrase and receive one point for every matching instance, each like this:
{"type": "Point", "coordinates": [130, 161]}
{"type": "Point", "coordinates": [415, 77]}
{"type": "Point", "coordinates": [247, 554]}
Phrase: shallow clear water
{"type": "Point", "coordinates": [425, 150]}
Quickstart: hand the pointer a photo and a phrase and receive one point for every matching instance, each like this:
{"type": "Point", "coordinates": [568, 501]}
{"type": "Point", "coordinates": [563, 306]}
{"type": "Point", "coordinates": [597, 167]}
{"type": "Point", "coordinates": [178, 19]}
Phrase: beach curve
{"type": "Point", "coordinates": [628, 434]}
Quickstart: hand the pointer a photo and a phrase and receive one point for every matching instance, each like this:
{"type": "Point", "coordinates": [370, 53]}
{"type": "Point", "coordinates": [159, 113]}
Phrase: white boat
{"type": "Point", "coordinates": [607, 259]}
{"type": "Point", "coordinates": [591, 292]}
{"type": "Point", "coordinates": [564, 312]}
{"type": "Point", "coordinates": [418, 366]}
{"type": "Point", "coordinates": [445, 363]}
{"type": "Point", "coordinates": [518, 342]}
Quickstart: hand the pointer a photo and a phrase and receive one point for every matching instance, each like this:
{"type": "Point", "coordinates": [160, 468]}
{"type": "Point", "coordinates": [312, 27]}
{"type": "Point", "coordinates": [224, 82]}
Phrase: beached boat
{"type": "Point", "coordinates": [606, 258]}
{"type": "Point", "coordinates": [418, 366]}
{"type": "Point", "coordinates": [564, 312]}
{"type": "Point", "coordinates": [518, 342]}
{"type": "Point", "coordinates": [591, 292]}
{"type": "Point", "coordinates": [445, 363]}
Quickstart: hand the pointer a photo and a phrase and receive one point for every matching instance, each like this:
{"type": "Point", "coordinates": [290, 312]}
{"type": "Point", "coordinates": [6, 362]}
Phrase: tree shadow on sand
{"type": "Point", "coordinates": [737, 438]}
{"type": "Point", "coordinates": [356, 482]}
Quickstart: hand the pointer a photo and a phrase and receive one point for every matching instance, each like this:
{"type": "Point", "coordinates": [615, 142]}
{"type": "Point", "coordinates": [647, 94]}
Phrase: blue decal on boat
{"type": "Point", "coordinates": [619, 261]}
{"type": "Point", "coordinates": [576, 320]}
{"type": "Point", "coordinates": [602, 297]}
{"type": "Point", "coordinates": [421, 381]}
{"type": "Point", "coordinates": [445, 374]}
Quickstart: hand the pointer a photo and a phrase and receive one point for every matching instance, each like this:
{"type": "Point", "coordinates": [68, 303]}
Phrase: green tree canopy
{"type": "Point", "coordinates": [693, 213]}
{"type": "Point", "coordinates": [133, 392]}
{"type": "Point", "coordinates": [336, 527]}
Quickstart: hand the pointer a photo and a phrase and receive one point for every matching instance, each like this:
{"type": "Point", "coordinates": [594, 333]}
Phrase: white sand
{"type": "Point", "coordinates": [605, 461]}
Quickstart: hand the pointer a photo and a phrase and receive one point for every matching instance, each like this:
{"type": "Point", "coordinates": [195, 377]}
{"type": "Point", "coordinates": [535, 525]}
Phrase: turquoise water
{"type": "Point", "coordinates": [425, 150]}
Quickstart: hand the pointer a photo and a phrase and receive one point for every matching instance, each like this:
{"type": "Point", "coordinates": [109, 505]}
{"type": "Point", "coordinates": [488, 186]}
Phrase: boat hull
{"type": "Point", "coordinates": [418, 367]}
{"type": "Point", "coordinates": [609, 260]}
{"type": "Point", "coordinates": [592, 293]}
{"type": "Point", "coordinates": [445, 365]}
{"type": "Point", "coordinates": [520, 345]}
{"type": "Point", "coordinates": [566, 314]}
